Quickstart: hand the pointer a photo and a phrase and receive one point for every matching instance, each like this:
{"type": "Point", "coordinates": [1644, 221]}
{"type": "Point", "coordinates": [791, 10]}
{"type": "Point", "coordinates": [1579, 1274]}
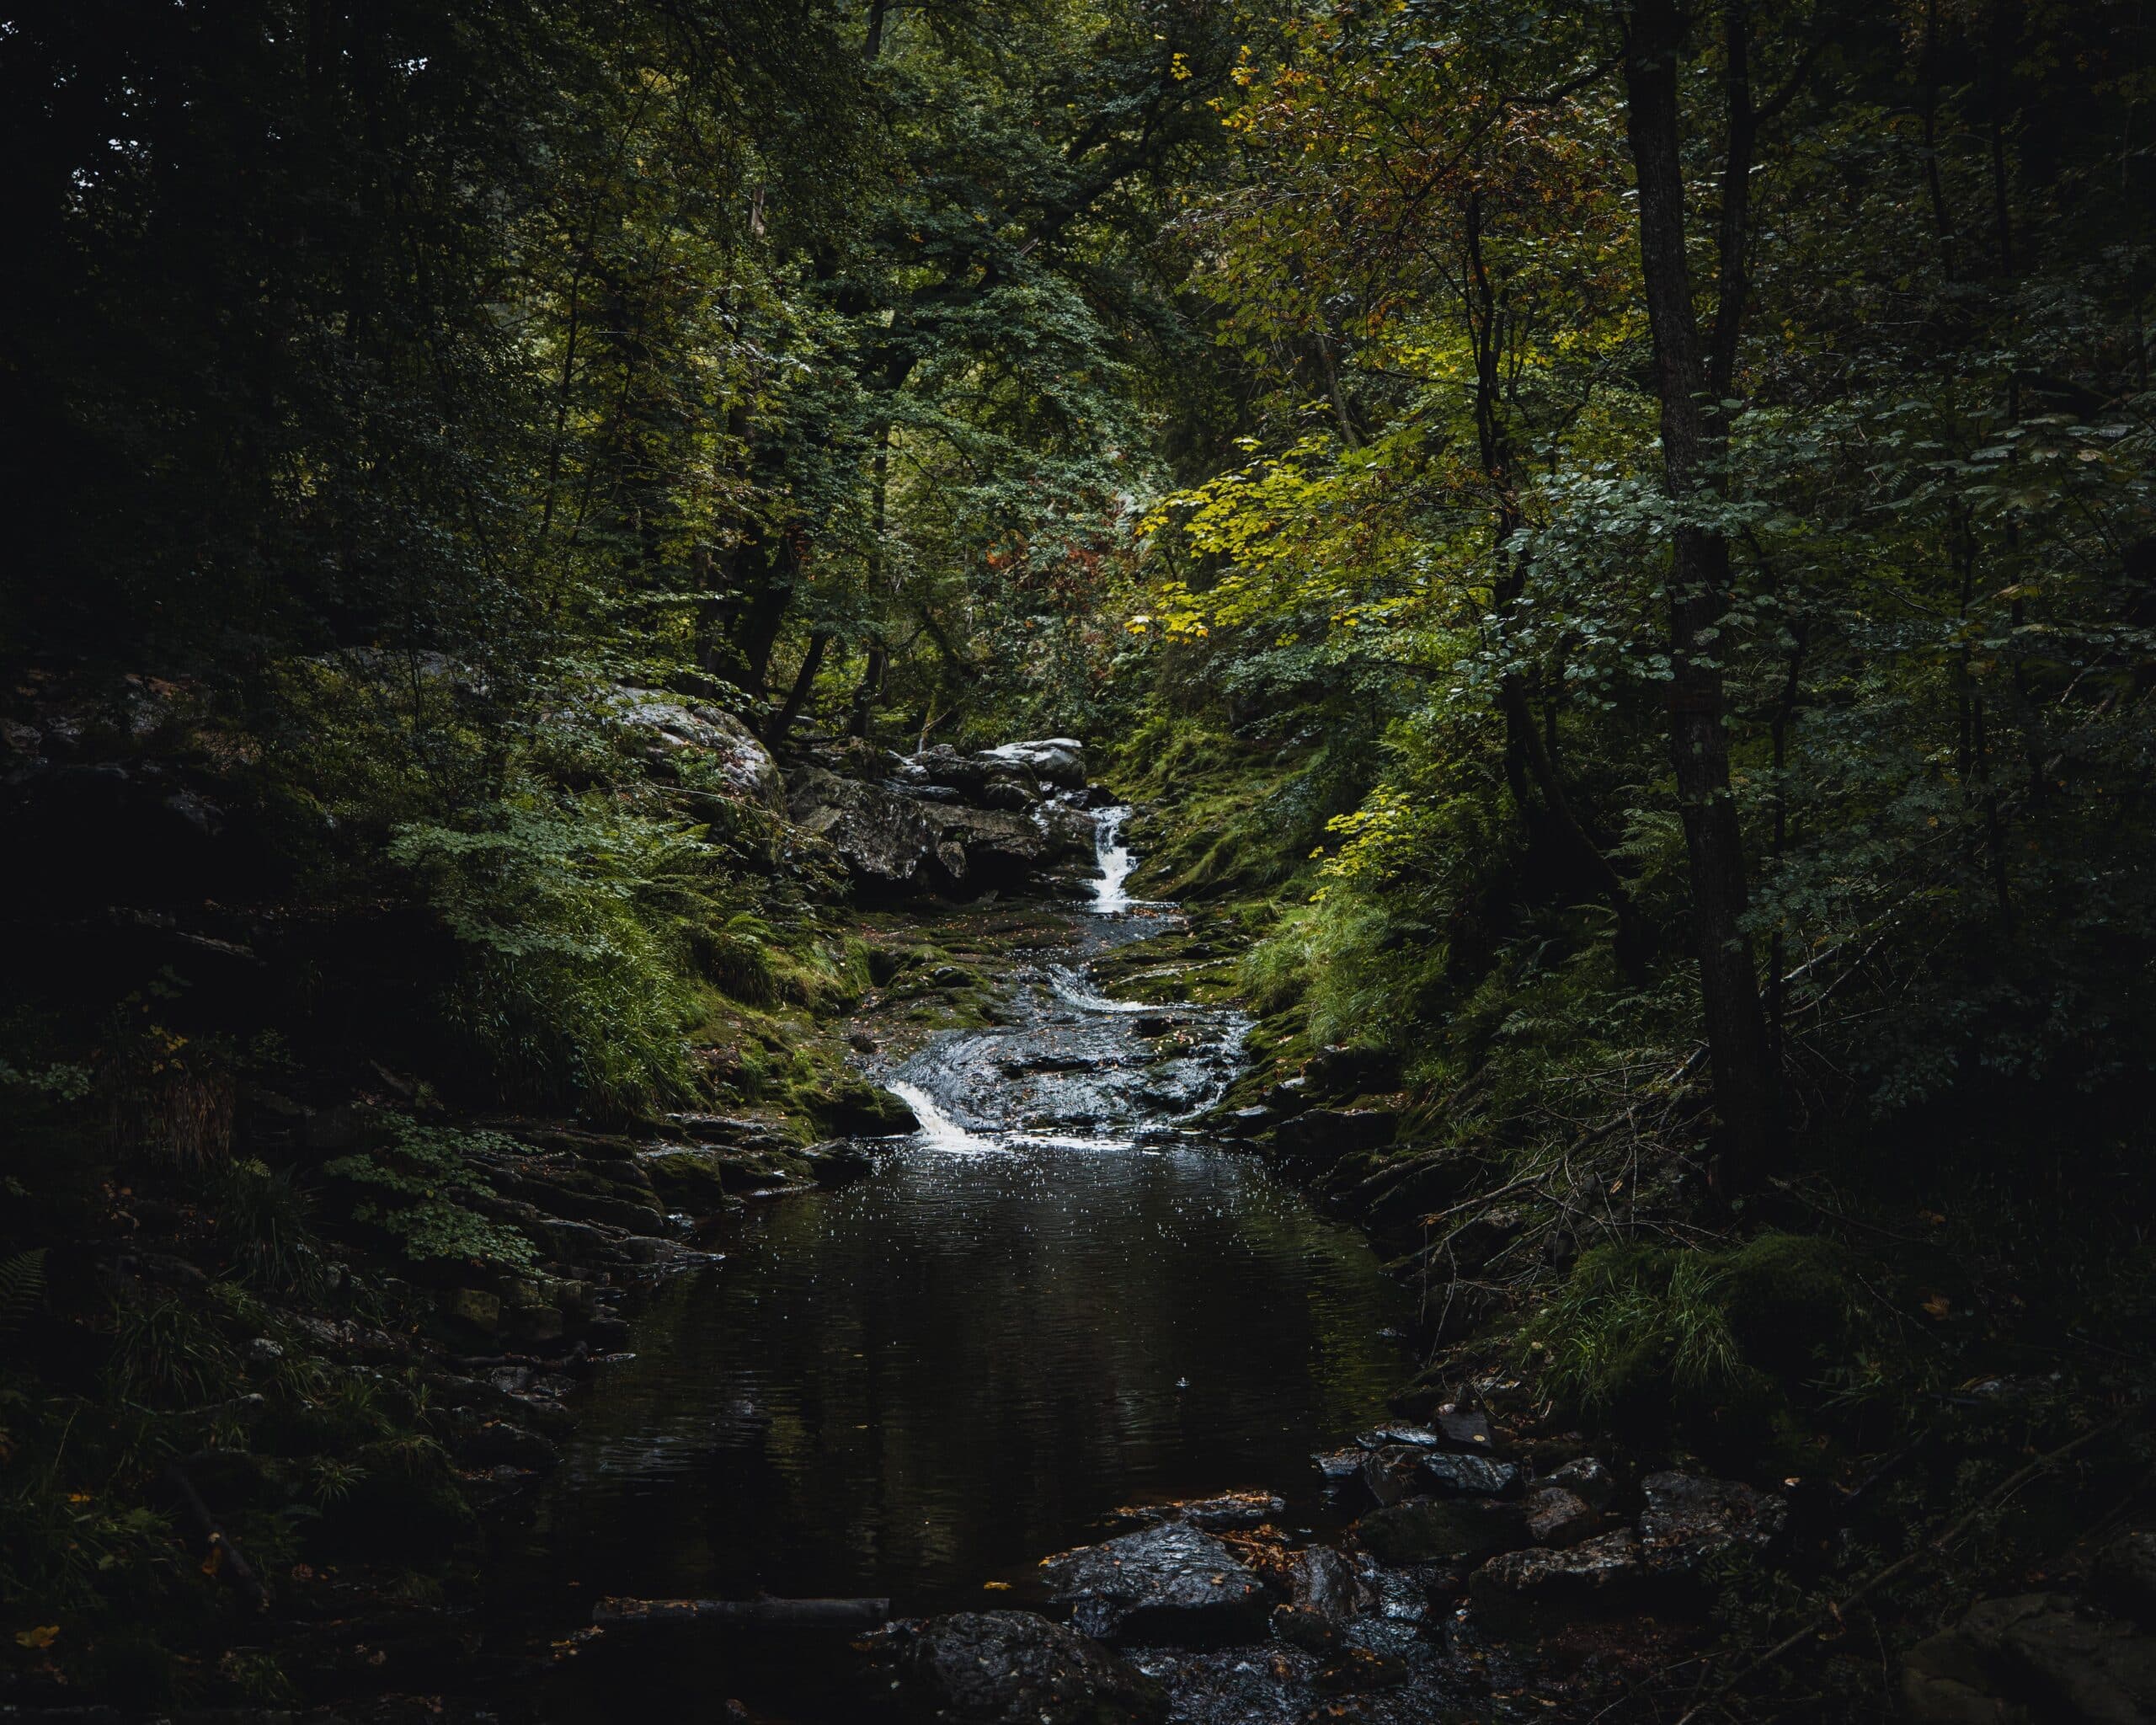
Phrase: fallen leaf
{"type": "Point", "coordinates": [1938, 1305]}
{"type": "Point", "coordinates": [40, 1638]}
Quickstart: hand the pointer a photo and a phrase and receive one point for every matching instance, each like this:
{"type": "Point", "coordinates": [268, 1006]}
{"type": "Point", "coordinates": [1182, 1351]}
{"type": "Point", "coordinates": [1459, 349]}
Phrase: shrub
{"type": "Point", "coordinates": [571, 923]}
{"type": "Point", "coordinates": [420, 1171]}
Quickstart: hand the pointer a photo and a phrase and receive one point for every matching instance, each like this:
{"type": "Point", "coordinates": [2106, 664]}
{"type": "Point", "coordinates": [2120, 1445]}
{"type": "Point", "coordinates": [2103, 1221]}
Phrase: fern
{"type": "Point", "coordinates": [22, 1287]}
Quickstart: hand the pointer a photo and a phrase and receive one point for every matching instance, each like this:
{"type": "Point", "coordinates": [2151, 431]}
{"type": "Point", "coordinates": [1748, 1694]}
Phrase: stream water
{"type": "Point", "coordinates": [1052, 1300]}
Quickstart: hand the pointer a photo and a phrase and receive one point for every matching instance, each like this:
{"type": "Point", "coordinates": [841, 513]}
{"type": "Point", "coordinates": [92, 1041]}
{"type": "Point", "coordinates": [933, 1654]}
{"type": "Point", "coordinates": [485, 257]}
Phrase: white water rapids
{"type": "Point", "coordinates": [1115, 860]}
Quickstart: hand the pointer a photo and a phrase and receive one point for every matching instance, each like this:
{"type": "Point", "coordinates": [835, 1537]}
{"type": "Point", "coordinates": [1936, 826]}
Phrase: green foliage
{"type": "Point", "coordinates": [262, 1215]}
{"type": "Point", "coordinates": [1645, 1334]}
{"type": "Point", "coordinates": [568, 924]}
{"type": "Point", "coordinates": [169, 1355]}
{"type": "Point", "coordinates": [424, 1173]}
{"type": "Point", "coordinates": [22, 1287]}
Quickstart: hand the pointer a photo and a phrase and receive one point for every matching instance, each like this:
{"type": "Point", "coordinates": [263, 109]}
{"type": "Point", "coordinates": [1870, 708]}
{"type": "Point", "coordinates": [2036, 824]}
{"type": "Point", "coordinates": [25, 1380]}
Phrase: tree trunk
{"type": "Point", "coordinates": [1694, 439]}
{"type": "Point", "coordinates": [870, 686]}
{"type": "Point", "coordinates": [804, 680]}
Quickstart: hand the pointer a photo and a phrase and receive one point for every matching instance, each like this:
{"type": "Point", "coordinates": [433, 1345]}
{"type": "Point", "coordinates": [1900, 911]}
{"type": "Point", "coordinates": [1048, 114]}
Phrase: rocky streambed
{"type": "Point", "coordinates": [1100, 1402]}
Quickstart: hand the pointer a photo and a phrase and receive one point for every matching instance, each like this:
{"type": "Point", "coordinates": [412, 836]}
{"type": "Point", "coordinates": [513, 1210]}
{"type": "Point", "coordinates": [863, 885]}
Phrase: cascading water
{"type": "Point", "coordinates": [938, 1130]}
{"type": "Point", "coordinates": [1115, 860]}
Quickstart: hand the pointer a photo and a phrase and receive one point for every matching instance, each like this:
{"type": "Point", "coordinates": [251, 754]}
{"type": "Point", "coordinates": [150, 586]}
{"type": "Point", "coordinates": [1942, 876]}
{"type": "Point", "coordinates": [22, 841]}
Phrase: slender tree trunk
{"type": "Point", "coordinates": [1695, 440]}
{"type": "Point", "coordinates": [870, 686]}
{"type": "Point", "coordinates": [804, 680]}
{"type": "Point", "coordinates": [1528, 754]}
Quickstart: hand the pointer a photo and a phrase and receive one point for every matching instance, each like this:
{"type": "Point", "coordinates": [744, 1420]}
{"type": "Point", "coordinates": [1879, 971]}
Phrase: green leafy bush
{"type": "Point", "coordinates": [571, 923]}
{"type": "Point", "coordinates": [419, 1171]}
{"type": "Point", "coordinates": [1646, 1334]}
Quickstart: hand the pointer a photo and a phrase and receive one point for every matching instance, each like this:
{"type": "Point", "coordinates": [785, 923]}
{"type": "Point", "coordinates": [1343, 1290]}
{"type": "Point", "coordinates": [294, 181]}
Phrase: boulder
{"type": "Point", "coordinates": [1595, 1567]}
{"type": "Point", "coordinates": [1013, 1668]}
{"type": "Point", "coordinates": [1436, 1529]}
{"type": "Point", "coordinates": [1558, 1517]}
{"type": "Point", "coordinates": [1392, 1472]}
{"type": "Point", "coordinates": [1312, 1631]}
{"type": "Point", "coordinates": [1586, 1478]}
{"type": "Point", "coordinates": [1170, 1583]}
{"type": "Point", "coordinates": [1416, 1437]}
{"type": "Point", "coordinates": [1324, 1582]}
{"type": "Point", "coordinates": [884, 837]}
{"type": "Point", "coordinates": [2034, 1657]}
{"type": "Point", "coordinates": [1061, 761]}
{"type": "Point", "coordinates": [667, 726]}
{"type": "Point", "coordinates": [1468, 1475]}
{"type": "Point", "coordinates": [1464, 1428]}
{"type": "Point", "coordinates": [1688, 1519]}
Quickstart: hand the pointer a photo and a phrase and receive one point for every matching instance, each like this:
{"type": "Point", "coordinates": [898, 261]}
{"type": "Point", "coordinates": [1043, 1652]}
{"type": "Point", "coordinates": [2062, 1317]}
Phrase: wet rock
{"type": "Point", "coordinates": [1341, 1470]}
{"type": "Point", "coordinates": [1247, 1123]}
{"type": "Point", "coordinates": [2034, 1657]}
{"type": "Point", "coordinates": [1417, 1437]}
{"type": "Point", "coordinates": [1327, 1133]}
{"type": "Point", "coordinates": [1437, 1529]}
{"type": "Point", "coordinates": [853, 1107]}
{"type": "Point", "coordinates": [1688, 1519]}
{"type": "Point", "coordinates": [1012, 1667]}
{"type": "Point", "coordinates": [1464, 1428]}
{"type": "Point", "coordinates": [839, 1163]}
{"type": "Point", "coordinates": [1312, 1631]}
{"type": "Point", "coordinates": [1586, 1478]}
{"type": "Point", "coordinates": [1061, 761]}
{"type": "Point", "coordinates": [884, 837]}
{"type": "Point", "coordinates": [1558, 1517]}
{"type": "Point", "coordinates": [1233, 1509]}
{"type": "Point", "coordinates": [1324, 1582]}
{"type": "Point", "coordinates": [1593, 1567]}
{"type": "Point", "coordinates": [1470, 1476]}
{"type": "Point", "coordinates": [1361, 1669]}
{"type": "Point", "coordinates": [692, 1181]}
{"type": "Point", "coordinates": [1392, 1472]}
{"type": "Point", "coordinates": [1170, 1583]}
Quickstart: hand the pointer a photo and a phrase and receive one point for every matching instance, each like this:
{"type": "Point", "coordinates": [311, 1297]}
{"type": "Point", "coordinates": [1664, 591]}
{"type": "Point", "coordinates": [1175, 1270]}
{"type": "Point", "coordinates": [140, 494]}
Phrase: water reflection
{"type": "Point", "coordinates": [935, 1376]}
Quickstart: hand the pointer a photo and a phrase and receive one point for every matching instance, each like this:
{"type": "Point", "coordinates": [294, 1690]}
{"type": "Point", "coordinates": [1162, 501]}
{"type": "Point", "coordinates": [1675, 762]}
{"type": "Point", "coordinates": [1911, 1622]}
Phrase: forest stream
{"type": "Point", "coordinates": [1054, 1300]}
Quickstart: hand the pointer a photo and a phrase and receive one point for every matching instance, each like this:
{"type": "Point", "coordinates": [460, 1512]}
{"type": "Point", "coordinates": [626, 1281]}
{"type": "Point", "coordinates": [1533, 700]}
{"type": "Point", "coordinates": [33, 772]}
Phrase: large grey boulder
{"type": "Point", "coordinates": [890, 835]}
{"type": "Point", "coordinates": [883, 837]}
{"type": "Point", "coordinates": [1061, 761]}
{"type": "Point", "coordinates": [666, 726]}
{"type": "Point", "coordinates": [1012, 1667]}
{"type": "Point", "coordinates": [1170, 1583]}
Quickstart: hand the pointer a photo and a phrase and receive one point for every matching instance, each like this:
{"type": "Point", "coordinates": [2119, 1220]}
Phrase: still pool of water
{"type": "Point", "coordinates": [931, 1379]}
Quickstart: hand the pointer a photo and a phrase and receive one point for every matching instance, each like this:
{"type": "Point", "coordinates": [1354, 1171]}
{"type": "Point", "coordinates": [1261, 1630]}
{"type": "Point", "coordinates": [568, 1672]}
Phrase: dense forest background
{"type": "Point", "coordinates": [1614, 543]}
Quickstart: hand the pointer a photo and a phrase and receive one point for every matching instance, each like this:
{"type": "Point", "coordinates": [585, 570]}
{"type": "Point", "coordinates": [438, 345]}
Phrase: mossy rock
{"type": "Point", "coordinates": [853, 1107]}
{"type": "Point", "coordinates": [692, 1181]}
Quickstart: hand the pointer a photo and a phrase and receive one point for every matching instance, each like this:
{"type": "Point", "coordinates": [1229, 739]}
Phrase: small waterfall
{"type": "Point", "coordinates": [938, 1130]}
{"type": "Point", "coordinates": [1115, 860]}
